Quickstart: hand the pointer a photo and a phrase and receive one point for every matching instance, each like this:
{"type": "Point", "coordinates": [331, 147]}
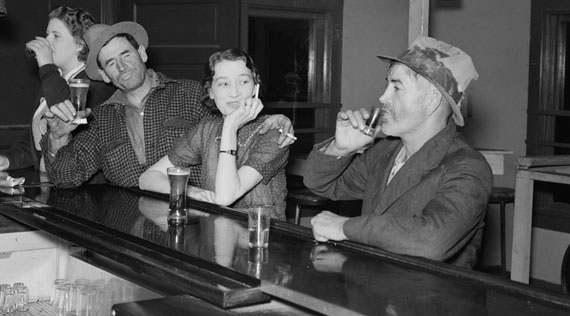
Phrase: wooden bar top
{"type": "Point", "coordinates": [209, 259]}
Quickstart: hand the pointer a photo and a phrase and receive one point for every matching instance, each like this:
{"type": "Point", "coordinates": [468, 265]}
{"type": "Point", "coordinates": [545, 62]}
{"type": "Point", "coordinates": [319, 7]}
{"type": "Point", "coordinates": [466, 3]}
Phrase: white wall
{"type": "Point", "coordinates": [370, 28]}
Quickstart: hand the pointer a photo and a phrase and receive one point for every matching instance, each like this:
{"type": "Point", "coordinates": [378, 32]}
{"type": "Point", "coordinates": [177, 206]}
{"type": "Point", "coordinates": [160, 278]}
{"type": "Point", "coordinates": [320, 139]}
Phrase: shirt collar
{"type": "Point", "coordinates": [120, 97]}
{"type": "Point", "coordinates": [73, 72]}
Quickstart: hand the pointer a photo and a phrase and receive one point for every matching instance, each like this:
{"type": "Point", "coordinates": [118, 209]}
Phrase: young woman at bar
{"type": "Point", "coordinates": [240, 168]}
{"type": "Point", "coordinates": [60, 56]}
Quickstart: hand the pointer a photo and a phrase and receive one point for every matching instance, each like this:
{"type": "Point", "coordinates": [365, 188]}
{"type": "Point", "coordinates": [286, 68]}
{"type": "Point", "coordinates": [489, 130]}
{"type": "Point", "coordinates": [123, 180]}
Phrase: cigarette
{"type": "Point", "coordinates": [288, 134]}
{"type": "Point", "coordinates": [256, 91]}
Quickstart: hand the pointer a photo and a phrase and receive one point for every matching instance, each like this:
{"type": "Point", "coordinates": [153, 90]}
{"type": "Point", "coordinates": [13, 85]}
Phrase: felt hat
{"type": "Point", "coordinates": [447, 67]}
{"type": "Point", "coordinates": [99, 34]}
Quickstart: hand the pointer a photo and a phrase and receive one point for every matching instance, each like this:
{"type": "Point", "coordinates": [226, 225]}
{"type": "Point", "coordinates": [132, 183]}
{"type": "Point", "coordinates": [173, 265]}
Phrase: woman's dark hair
{"type": "Point", "coordinates": [77, 21]}
{"type": "Point", "coordinates": [230, 54]}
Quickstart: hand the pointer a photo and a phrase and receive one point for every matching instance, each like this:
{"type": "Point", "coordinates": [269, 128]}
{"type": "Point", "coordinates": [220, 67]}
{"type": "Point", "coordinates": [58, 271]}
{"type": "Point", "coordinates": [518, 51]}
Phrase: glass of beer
{"type": "Point", "coordinates": [78, 89]}
{"type": "Point", "coordinates": [178, 178]}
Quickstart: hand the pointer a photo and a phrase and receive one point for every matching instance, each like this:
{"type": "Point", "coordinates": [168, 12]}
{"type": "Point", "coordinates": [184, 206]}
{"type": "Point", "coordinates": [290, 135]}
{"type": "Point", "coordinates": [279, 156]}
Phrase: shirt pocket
{"type": "Point", "coordinates": [176, 127]}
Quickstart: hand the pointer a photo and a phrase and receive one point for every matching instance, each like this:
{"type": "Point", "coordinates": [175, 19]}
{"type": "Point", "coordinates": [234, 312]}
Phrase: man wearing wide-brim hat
{"type": "Point", "coordinates": [136, 126]}
{"type": "Point", "coordinates": [424, 189]}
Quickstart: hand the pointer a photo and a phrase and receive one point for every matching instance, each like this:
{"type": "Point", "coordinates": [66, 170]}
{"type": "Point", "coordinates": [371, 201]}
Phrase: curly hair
{"type": "Point", "coordinates": [77, 21]}
{"type": "Point", "coordinates": [230, 54]}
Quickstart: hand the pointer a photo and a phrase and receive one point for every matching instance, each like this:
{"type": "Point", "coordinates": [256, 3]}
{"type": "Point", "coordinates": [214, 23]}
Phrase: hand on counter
{"type": "Point", "coordinates": [328, 226]}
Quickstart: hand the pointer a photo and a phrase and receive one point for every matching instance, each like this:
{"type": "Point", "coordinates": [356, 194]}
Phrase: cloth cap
{"type": "Point", "coordinates": [97, 35]}
{"type": "Point", "coordinates": [447, 67]}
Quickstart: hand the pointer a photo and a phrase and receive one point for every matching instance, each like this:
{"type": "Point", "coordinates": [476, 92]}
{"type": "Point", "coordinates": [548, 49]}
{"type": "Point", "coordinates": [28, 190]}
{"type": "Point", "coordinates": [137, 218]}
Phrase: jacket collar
{"type": "Point", "coordinates": [427, 158]}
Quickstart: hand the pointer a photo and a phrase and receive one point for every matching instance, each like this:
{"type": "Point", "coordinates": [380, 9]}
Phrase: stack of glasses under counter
{"type": "Point", "coordinates": [14, 298]}
{"type": "Point", "coordinates": [85, 298]}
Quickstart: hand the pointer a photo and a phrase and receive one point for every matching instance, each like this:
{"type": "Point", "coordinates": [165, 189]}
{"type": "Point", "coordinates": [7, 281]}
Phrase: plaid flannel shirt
{"type": "Point", "coordinates": [171, 109]}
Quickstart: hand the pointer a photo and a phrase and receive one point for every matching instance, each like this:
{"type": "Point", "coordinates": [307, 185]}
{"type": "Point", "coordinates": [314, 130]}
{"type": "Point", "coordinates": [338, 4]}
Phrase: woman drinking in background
{"type": "Point", "coordinates": [60, 56]}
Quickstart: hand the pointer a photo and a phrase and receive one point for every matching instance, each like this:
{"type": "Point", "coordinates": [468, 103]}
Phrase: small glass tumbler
{"type": "Point", "coordinates": [372, 121]}
{"type": "Point", "coordinates": [72, 302]}
{"type": "Point", "coordinates": [178, 178]}
{"type": "Point", "coordinates": [4, 292]}
{"type": "Point", "coordinates": [86, 302]}
{"type": "Point", "coordinates": [258, 221]}
{"type": "Point", "coordinates": [22, 298]}
{"type": "Point", "coordinates": [62, 298]}
{"type": "Point", "coordinates": [9, 300]}
{"type": "Point", "coordinates": [54, 298]}
{"type": "Point", "coordinates": [105, 300]}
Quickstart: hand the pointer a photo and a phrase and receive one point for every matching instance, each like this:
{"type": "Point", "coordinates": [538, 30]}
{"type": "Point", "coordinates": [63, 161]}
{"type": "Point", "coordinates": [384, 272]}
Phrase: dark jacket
{"type": "Point", "coordinates": [434, 207]}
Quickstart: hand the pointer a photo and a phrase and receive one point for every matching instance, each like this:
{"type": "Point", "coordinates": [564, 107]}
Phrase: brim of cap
{"type": "Point", "coordinates": [457, 116]}
{"type": "Point", "coordinates": [132, 28]}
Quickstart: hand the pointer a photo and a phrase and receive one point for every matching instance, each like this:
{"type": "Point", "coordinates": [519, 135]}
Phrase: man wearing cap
{"type": "Point", "coordinates": [136, 126]}
{"type": "Point", "coordinates": [424, 190]}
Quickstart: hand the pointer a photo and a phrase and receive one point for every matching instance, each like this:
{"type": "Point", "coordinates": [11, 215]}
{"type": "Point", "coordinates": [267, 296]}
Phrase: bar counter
{"type": "Point", "coordinates": [207, 268]}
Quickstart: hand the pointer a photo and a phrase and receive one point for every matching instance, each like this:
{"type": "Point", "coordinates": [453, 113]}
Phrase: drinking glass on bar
{"type": "Point", "coordinates": [178, 178]}
{"type": "Point", "coordinates": [258, 225]}
{"type": "Point", "coordinates": [78, 89]}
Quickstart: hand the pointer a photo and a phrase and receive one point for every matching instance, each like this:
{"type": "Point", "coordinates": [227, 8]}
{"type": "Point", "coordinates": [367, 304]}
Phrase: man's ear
{"type": "Point", "coordinates": [433, 100]}
{"type": "Point", "coordinates": [142, 53]}
{"type": "Point", "coordinates": [104, 76]}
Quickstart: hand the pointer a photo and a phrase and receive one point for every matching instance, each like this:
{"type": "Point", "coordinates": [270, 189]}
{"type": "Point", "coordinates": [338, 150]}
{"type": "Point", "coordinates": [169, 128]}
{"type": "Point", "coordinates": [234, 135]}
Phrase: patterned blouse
{"type": "Point", "coordinates": [201, 145]}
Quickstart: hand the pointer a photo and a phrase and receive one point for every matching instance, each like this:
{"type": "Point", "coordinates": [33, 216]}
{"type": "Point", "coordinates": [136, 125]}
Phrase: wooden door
{"type": "Point", "coordinates": [182, 33]}
{"type": "Point", "coordinates": [548, 130]}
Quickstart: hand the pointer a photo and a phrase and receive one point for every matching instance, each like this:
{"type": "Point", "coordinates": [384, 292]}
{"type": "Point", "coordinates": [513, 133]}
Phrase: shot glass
{"type": "Point", "coordinates": [258, 225]}
{"type": "Point", "coordinates": [372, 121]}
{"type": "Point", "coordinates": [178, 178]}
{"type": "Point", "coordinates": [78, 89]}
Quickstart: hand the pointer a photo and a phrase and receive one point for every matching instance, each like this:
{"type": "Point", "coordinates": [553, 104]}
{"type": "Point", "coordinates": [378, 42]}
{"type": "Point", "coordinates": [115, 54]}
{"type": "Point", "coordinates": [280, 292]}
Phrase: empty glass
{"type": "Point", "coordinates": [73, 298]}
{"type": "Point", "coordinates": [55, 294]}
{"type": "Point", "coordinates": [8, 300]}
{"type": "Point", "coordinates": [62, 295]}
{"type": "Point", "coordinates": [21, 299]}
{"type": "Point", "coordinates": [86, 302]}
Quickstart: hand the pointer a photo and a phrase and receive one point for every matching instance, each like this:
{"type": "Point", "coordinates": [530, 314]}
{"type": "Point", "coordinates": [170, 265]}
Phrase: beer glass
{"type": "Point", "coordinates": [178, 178]}
{"type": "Point", "coordinates": [78, 89]}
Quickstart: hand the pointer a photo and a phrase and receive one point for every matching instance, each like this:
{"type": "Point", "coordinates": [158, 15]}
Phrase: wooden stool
{"type": "Point", "coordinates": [502, 196]}
{"type": "Point", "coordinates": [304, 197]}
{"type": "Point", "coordinates": [300, 195]}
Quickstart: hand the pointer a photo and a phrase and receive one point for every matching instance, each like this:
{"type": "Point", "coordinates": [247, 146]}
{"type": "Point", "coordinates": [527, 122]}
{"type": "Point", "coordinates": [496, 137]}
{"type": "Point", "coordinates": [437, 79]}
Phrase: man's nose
{"type": "Point", "coordinates": [383, 98]}
{"type": "Point", "coordinates": [120, 65]}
